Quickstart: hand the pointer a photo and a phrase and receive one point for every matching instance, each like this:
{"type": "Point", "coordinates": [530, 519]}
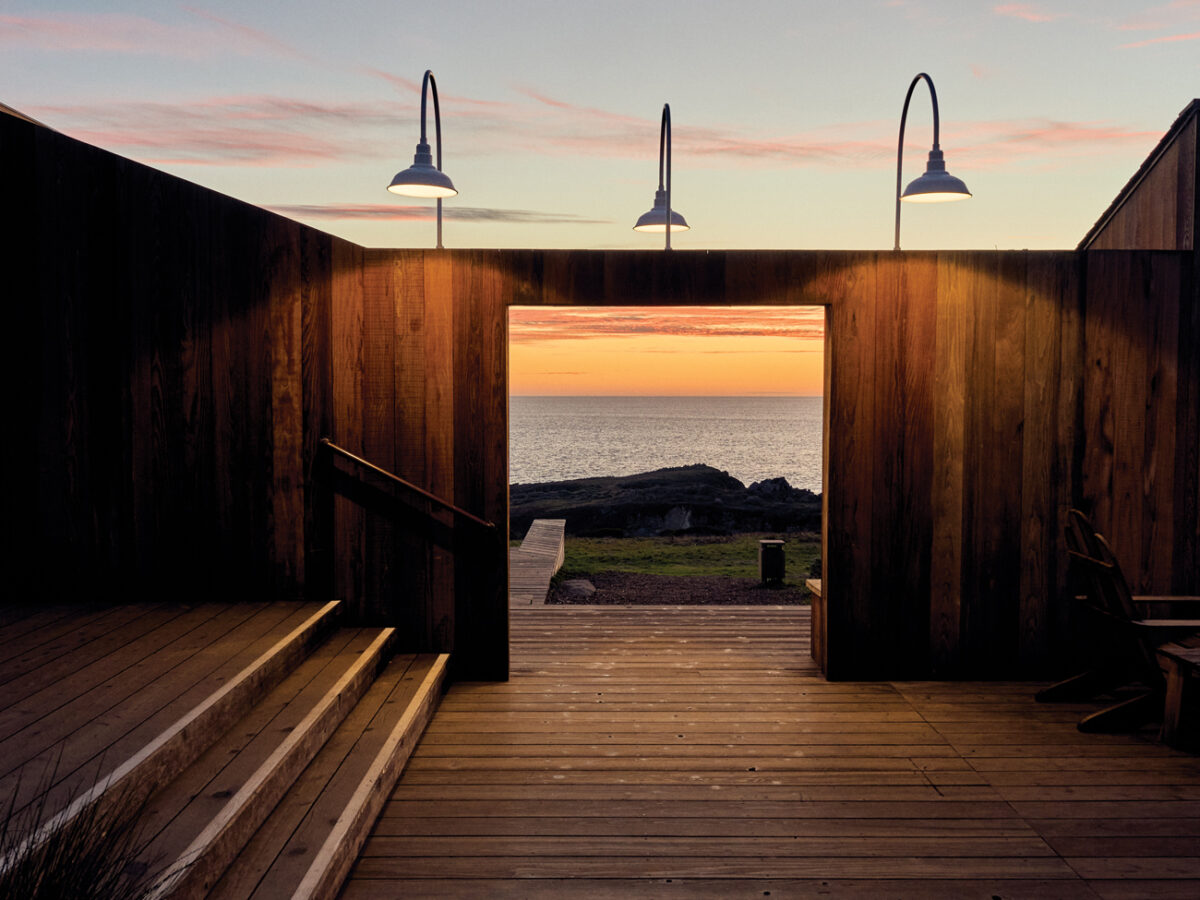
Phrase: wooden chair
{"type": "Point", "coordinates": [1130, 630]}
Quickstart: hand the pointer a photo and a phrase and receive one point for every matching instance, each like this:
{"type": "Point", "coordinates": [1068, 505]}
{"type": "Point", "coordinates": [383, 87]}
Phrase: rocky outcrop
{"type": "Point", "coordinates": [682, 500]}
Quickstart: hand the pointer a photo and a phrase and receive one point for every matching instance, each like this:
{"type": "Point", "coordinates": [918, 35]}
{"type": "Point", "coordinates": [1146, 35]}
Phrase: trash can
{"type": "Point", "coordinates": [770, 561]}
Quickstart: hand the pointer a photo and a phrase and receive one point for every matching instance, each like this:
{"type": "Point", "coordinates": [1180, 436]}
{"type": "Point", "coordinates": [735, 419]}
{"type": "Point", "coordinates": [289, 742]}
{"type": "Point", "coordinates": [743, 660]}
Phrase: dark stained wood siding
{"type": "Point", "coordinates": [174, 365]}
{"type": "Point", "coordinates": [1141, 390]}
{"type": "Point", "coordinates": [951, 437]}
{"type": "Point", "coordinates": [179, 356]}
{"type": "Point", "coordinates": [1139, 415]}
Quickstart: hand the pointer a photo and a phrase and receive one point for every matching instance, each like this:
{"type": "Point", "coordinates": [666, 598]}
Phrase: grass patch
{"type": "Point", "coordinates": [733, 555]}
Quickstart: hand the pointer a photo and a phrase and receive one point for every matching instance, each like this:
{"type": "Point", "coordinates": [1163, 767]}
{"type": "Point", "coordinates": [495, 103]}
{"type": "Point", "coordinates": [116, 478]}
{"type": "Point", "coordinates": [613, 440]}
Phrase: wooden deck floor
{"type": "Point", "coordinates": [696, 752]}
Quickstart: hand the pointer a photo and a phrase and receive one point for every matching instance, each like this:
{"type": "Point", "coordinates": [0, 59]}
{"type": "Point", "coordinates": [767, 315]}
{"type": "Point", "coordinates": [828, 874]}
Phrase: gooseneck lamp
{"type": "Point", "coordinates": [936, 185]}
{"type": "Point", "coordinates": [422, 178]}
{"type": "Point", "coordinates": [657, 219]}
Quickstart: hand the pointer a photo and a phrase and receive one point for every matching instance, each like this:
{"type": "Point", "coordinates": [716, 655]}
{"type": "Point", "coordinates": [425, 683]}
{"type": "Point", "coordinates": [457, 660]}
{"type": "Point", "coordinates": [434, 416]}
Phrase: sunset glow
{"type": "Point", "coordinates": [684, 351]}
{"type": "Point", "coordinates": [784, 115]}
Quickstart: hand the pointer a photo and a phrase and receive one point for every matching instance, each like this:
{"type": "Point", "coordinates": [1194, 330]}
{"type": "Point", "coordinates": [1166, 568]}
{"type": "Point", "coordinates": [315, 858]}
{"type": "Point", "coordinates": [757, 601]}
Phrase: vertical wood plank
{"type": "Point", "coordinates": [946, 497]}
{"type": "Point", "coordinates": [349, 269]}
{"type": "Point", "coordinates": [480, 470]}
{"type": "Point", "coordinates": [287, 415]}
{"type": "Point", "coordinates": [847, 583]}
{"type": "Point", "coordinates": [316, 362]}
{"type": "Point", "coordinates": [1159, 513]}
{"type": "Point", "coordinates": [438, 440]}
{"type": "Point", "coordinates": [1039, 516]}
{"type": "Point", "coordinates": [381, 582]}
{"type": "Point", "coordinates": [1103, 272]}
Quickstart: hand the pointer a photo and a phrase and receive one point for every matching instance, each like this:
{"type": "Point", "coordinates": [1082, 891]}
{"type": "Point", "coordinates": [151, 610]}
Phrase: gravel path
{"type": "Point", "coordinates": [615, 588]}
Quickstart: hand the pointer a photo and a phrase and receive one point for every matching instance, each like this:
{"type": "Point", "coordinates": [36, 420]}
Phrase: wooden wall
{"type": "Point", "coordinates": [167, 359]}
{"type": "Point", "coordinates": [953, 392]}
{"type": "Point", "coordinates": [1140, 437]}
{"type": "Point", "coordinates": [175, 357]}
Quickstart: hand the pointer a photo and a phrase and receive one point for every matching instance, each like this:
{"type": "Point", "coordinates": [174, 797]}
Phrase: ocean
{"type": "Point", "coordinates": [751, 438]}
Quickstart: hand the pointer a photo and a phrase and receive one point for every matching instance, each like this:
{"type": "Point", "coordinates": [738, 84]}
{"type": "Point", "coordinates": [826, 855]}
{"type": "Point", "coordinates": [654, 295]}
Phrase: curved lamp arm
{"type": "Point", "coordinates": [664, 139]}
{"type": "Point", "coordinates": [429, 82]}
{"type": "Point", "coordinates": [661, 216]}
{"type": "Point", "coordinates": [936, 183]}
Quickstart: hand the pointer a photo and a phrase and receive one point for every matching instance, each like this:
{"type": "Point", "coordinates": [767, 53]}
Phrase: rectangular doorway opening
{"type": "Point", "coordinates": [673, 442]}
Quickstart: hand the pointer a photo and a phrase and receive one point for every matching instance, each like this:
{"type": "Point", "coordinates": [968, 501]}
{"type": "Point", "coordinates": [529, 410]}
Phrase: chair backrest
{"type": "Point", "coordinates": [1122, 597]}
{"type": "Point", "coordinates": [1108, 591]}
{"type": "Point", "coordinates": [1082, 535]}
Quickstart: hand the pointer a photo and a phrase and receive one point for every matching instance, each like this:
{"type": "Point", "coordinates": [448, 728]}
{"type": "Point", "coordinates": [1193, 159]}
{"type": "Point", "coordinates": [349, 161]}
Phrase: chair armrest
{"type": "Point", "coordinates": [1173, 624]}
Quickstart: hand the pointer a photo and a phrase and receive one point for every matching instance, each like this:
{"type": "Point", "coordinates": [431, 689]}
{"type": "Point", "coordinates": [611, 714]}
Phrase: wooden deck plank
{"type": "Point", "coordinates": [697, 752]}
{"type": "Point", "coordinates": [616, 888]}
{"type": "Point", "coordinates": [65, 636]}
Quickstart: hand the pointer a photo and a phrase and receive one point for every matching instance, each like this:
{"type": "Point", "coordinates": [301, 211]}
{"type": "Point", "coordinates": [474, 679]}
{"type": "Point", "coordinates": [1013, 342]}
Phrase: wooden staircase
{"type": "Point", "coordinates": [268, 784]}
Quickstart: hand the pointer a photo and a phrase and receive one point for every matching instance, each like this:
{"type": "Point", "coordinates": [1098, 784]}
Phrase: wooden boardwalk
{"type": "Point", "coordinates": [533, 564]}
{"type": "Point", "coordinates": [697, 752]}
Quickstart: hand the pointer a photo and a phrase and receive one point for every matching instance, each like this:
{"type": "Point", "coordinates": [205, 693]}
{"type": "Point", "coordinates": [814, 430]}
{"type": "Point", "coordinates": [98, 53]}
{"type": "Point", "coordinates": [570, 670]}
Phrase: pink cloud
{"type": "Point", "coordinates": [532, 325]}
{"type": "Point", "coordinates": [396, 212]}
{"type": "Point", "coordinates": [123, 33]}
{"type": "Point", "coordinates": [1169, 39]}
{"type": "Point", "coordinates": [241, 130]}
{"type": "Point", "coordinates": [251, 35]}
{"type": "Point", "coordinates": [996, 144]}
{"type": "Point", "coordinates": [1171, 15]}
{"type": "Point", "coordinates": [1026, 12]}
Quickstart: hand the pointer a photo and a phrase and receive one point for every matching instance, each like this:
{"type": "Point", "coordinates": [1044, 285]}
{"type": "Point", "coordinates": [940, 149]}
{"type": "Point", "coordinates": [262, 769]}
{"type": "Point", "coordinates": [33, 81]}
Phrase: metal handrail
{"type": "Point", "coordinates": [396, 479]}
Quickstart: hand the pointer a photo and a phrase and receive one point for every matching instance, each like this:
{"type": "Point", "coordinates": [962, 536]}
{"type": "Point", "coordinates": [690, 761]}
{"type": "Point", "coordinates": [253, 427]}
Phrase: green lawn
{"type": "Point", "coordinates": [735, 555]}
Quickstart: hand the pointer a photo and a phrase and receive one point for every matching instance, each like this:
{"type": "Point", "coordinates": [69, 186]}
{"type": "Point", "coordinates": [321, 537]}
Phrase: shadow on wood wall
{"type": "Point", "coordinates": [176, 357]}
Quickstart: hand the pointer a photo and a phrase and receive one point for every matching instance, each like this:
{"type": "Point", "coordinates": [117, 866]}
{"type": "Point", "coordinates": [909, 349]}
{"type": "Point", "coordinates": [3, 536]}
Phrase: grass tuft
{"type": "Point", "coordinates": [93, 856]}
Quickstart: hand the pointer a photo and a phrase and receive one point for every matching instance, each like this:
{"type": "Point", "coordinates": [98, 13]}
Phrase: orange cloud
{"type": "Point", "coordinates": [535, 324]}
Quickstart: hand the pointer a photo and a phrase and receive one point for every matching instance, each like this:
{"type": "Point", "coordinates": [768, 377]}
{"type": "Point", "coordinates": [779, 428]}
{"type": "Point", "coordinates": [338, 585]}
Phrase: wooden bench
{"type": "Point", "coordinates": [1182, 666]}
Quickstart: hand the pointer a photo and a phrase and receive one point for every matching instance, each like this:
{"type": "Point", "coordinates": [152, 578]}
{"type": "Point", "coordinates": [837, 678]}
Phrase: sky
{"type": "Point", "coordinates": [784, 114]}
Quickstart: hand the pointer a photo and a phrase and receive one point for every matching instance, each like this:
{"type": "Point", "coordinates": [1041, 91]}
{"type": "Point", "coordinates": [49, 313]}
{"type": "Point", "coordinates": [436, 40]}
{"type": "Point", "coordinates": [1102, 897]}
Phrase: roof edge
{"type": "Point", "coordinates": [1189, 112]}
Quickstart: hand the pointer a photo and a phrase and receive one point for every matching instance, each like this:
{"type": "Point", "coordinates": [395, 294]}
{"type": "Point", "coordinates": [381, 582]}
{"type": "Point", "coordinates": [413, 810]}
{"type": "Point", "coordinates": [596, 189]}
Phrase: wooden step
{"type": "Point", "coordinates": [197, 824]}
{"type": "Point", "coordinates": [124, 751]}
{"type": "Point", "coordinates": [307, 846]}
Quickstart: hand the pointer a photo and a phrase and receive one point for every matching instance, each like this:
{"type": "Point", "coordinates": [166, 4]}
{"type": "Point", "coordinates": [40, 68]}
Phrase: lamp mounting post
{"type": "Point", "coordinates": [936, 185]}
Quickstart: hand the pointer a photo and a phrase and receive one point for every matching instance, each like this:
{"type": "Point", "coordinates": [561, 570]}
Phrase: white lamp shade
{"type": "Point", "coordinates": [423, 178]}
{"type": "Point", "coordinates": [655, 221]}
{"type": "Point", "coordinates": [936, 185]}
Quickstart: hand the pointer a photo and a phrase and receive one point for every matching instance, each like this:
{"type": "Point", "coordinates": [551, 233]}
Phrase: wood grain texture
{"type": "Point", "coordinates": [662, 789]}
{"type": "Point", "coordinates": [187, 360]}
